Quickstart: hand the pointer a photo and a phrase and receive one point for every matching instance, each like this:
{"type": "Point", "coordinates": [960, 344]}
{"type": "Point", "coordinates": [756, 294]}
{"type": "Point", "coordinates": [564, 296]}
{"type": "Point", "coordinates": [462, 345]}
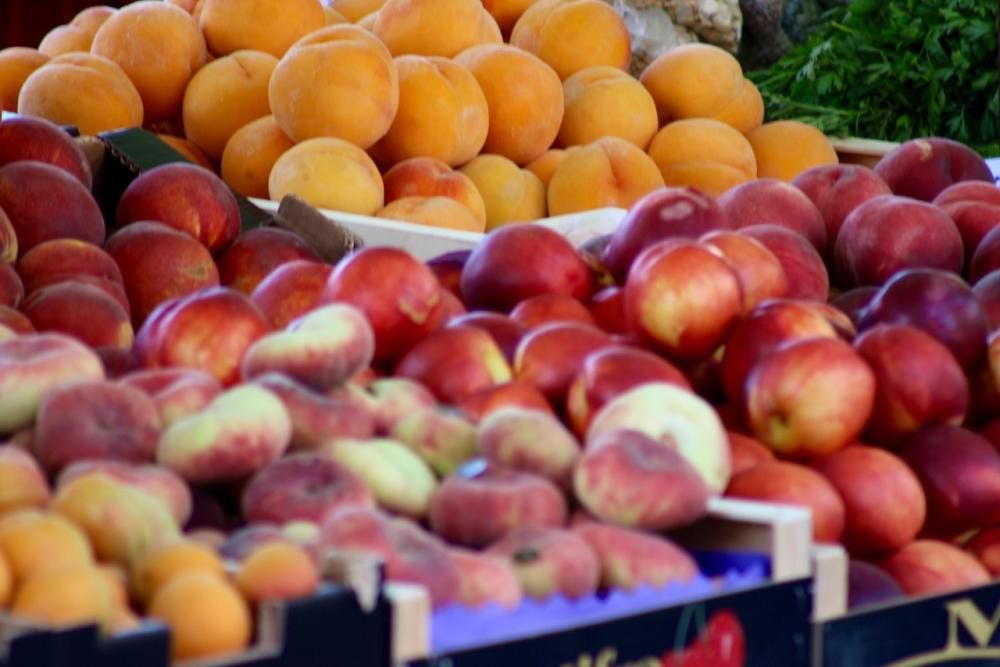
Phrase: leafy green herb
{"type": "Point", "coordinates": [894, 71]}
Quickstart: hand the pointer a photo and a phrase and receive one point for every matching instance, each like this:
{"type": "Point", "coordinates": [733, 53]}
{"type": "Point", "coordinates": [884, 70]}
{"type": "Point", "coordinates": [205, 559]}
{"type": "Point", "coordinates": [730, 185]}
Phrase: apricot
{"type": "Point", "coordinates": [368, 22]}
{"type": "Point", "coordinates": [16, 65]}
{"type": "Point", "coordinates": [606, 102]}
{"type": "Point", "coordinates": [187, 149]}
{"type": "Point", "coordinates": [250, 155]}
{"type": "Point", "coordinates": [355, 10]}
{"type": "Point", "coordinates": [608, 172]}
{"type": "Point", "coordinates": [744, 112]}
{"type": "Point", "coordinates": [33, 542]}
{"type": "Point", "coordinates": [435, 27]}
{"type": "Point", "coordinates": [704, 154]}
{"type": "Point", "coordinates": [546, 164]}
{"type": "Point", "coordinates": [693, 81]}
{"type": "Point", "coordinates": [329, 173]}
{"type": "Point", "coordinates": [224, 96]}
{"type": "Point", "coordinates": [787, 148]}
{"type": "Point", "coordinates": [88, 91]}
{"type": "Point", "coordinates": [571, 35]}
{"type": "Point", "coordinates": [427, 177]}
{"type": "Point", "coordinates": [64, 39]}
{"type": "Point", "coordinates": [506, 12]}
{"type": "Point", "coordinates": [337, 82]}
{"type": "Point", "coordinates": [160, 48]}
{"type": "Point", "coordinates": [205, 614]}
{"type": "Point", "coordinates": [442, 113]}
{"type": "Point", "coordinates": [510, 194]}
{"type": "Point", "coordinates": [277, 571]}
{"type": "Point", "coordinates": [6, 582]}
{"type": "Point", "coordinates": [524, 96]}
{"type": "Point", "coordinates": [332, 17]}
{"type": "Point", "coordinates": [271, 26]}
{"type": "Point", "coordinates": [441, 212]}
{"type": "Point", "coordinates": [162, 565]}
{"type": "Point", "coordinates": [68, 596]}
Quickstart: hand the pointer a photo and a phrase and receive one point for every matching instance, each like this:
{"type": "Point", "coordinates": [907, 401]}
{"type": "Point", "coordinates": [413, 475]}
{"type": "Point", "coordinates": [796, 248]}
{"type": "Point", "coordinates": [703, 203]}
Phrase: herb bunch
{"type": "Point", "coordinates": [894, 71]}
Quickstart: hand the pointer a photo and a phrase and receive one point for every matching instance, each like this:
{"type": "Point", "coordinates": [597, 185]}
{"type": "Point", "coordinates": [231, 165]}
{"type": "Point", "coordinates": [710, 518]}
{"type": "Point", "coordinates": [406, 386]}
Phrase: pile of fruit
{"type": "Point", "coordinates": [449, 113]}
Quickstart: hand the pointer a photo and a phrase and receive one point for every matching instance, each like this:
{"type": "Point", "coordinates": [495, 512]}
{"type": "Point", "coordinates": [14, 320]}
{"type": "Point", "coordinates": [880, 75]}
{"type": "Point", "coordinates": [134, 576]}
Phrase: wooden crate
{"type": "Point", "coordinates": [865, 152]}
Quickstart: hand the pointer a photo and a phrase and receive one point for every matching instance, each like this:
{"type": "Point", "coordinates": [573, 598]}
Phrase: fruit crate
{"type": "Point", "coordinates": [336, 627]}
{"type": "Point", "coordinates": [959, 627]}
{"type": "Point", "coordinates": [680, 627]}
{"type": "Point", "coordinates": [865, 152]}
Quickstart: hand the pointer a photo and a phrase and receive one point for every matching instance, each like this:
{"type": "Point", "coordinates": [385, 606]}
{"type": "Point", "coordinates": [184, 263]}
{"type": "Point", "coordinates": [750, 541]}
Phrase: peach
{"type": "Point", "coordinates": [206, 615]}
{"type": "Point", "coordinates": [239, 433]}
{"type": "Point", "coordinates": [455, 362]}
{"type": "Point", "coordinates": [704, 154]}
{"type": "Point", "coordinates": [573, 35]}
{"type": "Point", "coordinates": [960, 474]}
{"type": "Point", "coordinates": [853, 302]}
{"type": "Point", "coordinates": [317, 418]}
{"type": "Point", "coordinates": [65, 598]}
{"type": "Point", "coordinates": [973, 206]}
{"type": "Point", "coordinates": [277, 571]}
{"type": "Point", "coordinates": [44, 202]}
{"type": "Point", "coordinates": [111, 101]}
{"type": "Point", "coordinates": [392, 399]}
{"type": "Point", "coordinates": [442, 212]}
{"type": "Point", "coordinates": [328, 173]}
{"type": "Point", "coordinates": [987, 293]}
{"type": "Point", "coordinates": [23, 485]}
{"type": "Point", "coordinates": [429, 177]}
{"type": "Point", "coordinates": [770, 201]}
{"type": "Point", "coordinates": [443, 439]}
{"type": "Point", "coordinates": [628, 478]}
{"type": "Point", "coordinates": [8, 240]}
{"type": "Point", "coordinates": [302, 486]}
{"type": "Point", "coordinates": [410, 554]}
{"type": "Point", "coordinates": [884, 503]}
{"type": "Point", "coordinates": [517, 262]}
{"type": "Point", "coordinates": [537, 311]}
{"type": "Point", "coordinates": [60, 260]}
{"type": "Point", "coordinates": [33, 543]}
{"type": "Point", "coordinates": [611, 172]}
{"type": "Point", "coordinates": [596, 100]}
{"type": "Point", "coordinates": [609, 372]}
{"type": "Point", "coordinates": [399, 479]}
{"type": "Point", "coordinates": [481, 404]}
{"type": "Point", "coordinates": [486, 580]}
{"type": "Point", "coordinates": [666, 213]}
{"type": "Point", "coordinates": [504, 331]}
{"type": "Point", "coordinates": [665, 292]}
{"type": "Point", "coordinates": [509, 194]}
{"type": "Point", "coordinates": [176, 392]}
{"type": "Point", "coordinates": [760, 272]}
{"type": "Point", "coordinates": [869, 584]}
{"type": "Point", "coordinates": [923, 168]}
{"type": "Point", "coordinates": [159, 263]}
{"type": "Point", "coordinates": [836, 190]}
{"type": "Point", "coordinates": [321, 349]}
{"type": "Point", "coordinates": [630, 559]}
{"type": "Point", "coordinates": [693, 81]}
{"type": "Point", "coordinates": [82, 311]}
{"type": "Point", "coordinates": [804, 268]}
{"type": "Point", "coordinates": [870, 249]}
{"type": "Point", "coordinates": [160, 48]}
{"type": "Point", "coordinates": [256, 253]}
{"type": "Point", "coordinates": [241, 542]}
{"type": "Point", "coordinates": [122, 522]}
{"type": "Point", "coordinates": [266, 25]}
{"type": "Point", "coordinates": [918, 382]}
{"type": "Point", "coordinates": [95, 420]}
{"type": "Point", "coordinates": [442, 115]}
{"type": "Point", "coordinates": [25, 138]}
{"type": "Point", "coordinates": [546, 164]}
{"type": "Point", "coordinates": [291, 290]}
{"type": "Point", "coordinates": [787, 148]}
{"type": "Point", "coordinates": [746, 452]}
{"type": "Point", "coordinates": [159, 567]}
{"type": "Point", "coordinates": [524, 96]}
{"type": "Point", "coordinates": [31, 366]}
{"type": "Point", "coordinates": [549, 561]}
{"type": "Point", "coordinates": [550, 356]}
{"type": "Point", "coordinates": [530, 440]}
{"type": "Point", "coordinates": [11, 287]}
{"type": "Point", "coordinates": [928, 567]}
{"type": "Point", "coordinates": [225, 95]}
{"type": "Point", "coordinates": [153, 480]}
{"type": "Point", "coordinates": [250, 154]}
{"type": "Point", "coordinates": [402, 306]}
{"type": "Point", "coordinates": [17, 63]}
{"type": "Point", "coordinates": [810, 397]}
{"type": "Point", "coordinates": [690, 430]}
{"type": "Point", "coordinates": [356, 103]}
{"type": "Point", "coordinates": [983, 547]}
{"type": "Point", "coordinates": [434, 29]}
{"type": "Point", "coordinates": [483, 502]}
